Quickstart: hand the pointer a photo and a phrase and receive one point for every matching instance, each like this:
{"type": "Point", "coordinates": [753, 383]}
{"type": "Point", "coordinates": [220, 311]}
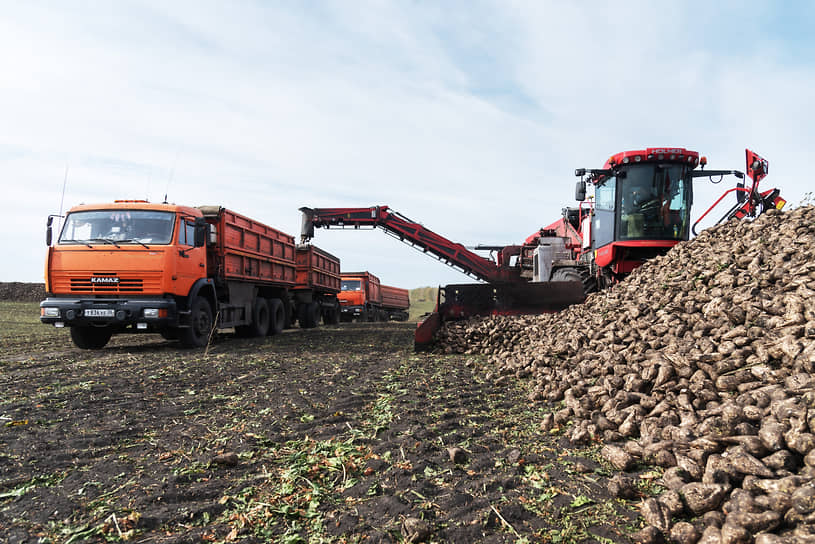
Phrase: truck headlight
{"type": "Point", "coordinates": [49, 312]}
{"type": "Point", "coordinates": [151, 313]}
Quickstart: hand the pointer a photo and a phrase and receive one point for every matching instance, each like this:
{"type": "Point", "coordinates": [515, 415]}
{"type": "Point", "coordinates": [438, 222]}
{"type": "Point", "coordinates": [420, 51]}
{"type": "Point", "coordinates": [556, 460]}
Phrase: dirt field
{"type": "Point", "coordinates": [336, 434]}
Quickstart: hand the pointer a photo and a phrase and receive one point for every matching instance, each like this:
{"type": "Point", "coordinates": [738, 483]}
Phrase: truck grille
{"type": "Point", "coordinates": [124, 286]}
{"type": "Point", "coordinates": [103, 283]}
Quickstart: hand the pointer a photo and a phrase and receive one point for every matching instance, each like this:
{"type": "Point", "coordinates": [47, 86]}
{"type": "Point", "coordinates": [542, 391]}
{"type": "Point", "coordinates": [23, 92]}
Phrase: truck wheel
{"type": "Point", "coordinates": [169, 334]}
{"type": "Point", "coordinates": [260, 318]}
{"type": "Point", "coordinates": [310, 315]}
{"type": "Point", "coordinates": [197, 334]}
{"type": "Point", "coordinates": [332, 316]}
{"type": "Point", "coordinates": [277, 316]}
{"type": "Point", "coordinates": [313, 314]}
{"type": "Point", "coordinates": [90, 337]}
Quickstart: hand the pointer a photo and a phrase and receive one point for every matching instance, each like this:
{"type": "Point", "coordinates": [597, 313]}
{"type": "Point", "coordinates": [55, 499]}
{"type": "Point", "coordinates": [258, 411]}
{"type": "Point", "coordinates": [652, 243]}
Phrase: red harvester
{"type": "Point", "coordinates": [638, 207]}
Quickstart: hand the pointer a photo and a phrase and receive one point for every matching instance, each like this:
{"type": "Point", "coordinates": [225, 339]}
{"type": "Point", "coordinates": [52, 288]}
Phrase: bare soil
{"type": "Point", "coordinates": [335, 434]}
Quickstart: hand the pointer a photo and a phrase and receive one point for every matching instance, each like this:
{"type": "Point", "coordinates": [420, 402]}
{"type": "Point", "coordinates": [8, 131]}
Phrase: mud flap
{"type": "Point", "coordinates": [462, 301]}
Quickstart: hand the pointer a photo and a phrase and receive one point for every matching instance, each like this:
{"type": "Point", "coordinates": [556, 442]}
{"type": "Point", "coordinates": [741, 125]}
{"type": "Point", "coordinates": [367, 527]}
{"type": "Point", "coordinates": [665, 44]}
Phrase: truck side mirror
{"type": "Point", "coordinates": [580, 191]}
{"type": "Point", "coordinates": [49, 235]}
{"type": "Point", "coordinates": [201, 232]}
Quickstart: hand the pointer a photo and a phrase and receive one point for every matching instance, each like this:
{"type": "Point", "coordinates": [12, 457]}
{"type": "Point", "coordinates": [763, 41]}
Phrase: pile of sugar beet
{"type": "Point", "coordinates": [701, 362]}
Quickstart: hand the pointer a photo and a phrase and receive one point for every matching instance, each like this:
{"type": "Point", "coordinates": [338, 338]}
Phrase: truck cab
{"type": "Point", "coordinates": [126, 266]}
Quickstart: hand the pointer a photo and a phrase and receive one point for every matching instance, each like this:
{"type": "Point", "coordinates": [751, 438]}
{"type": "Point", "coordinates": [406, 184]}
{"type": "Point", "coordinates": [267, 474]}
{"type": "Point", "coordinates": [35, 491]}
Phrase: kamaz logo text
{"type": "Point", "coordinates": [104, 280]}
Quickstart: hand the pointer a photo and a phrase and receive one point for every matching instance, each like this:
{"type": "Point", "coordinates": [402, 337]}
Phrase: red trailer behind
{"type": "Point", "coordinates": [395, 301]}
{"type": "Point", "coordinates": [317, 286]}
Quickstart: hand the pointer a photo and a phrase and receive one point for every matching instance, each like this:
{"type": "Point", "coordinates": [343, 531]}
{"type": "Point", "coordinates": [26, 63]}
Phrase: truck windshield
{"type": "Point", "coordinates": [120, 226]}
{"type": "Point", "coordinates": [654, 202]}
{"type": "Point", "coordinates": [351, 285]}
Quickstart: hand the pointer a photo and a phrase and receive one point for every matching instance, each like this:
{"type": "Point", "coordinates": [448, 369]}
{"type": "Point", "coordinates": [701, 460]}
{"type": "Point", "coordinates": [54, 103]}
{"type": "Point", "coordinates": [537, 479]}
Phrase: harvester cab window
{"type": "Point", "coordinates": [605, 197]}
{"type": "Point", "coordinates": [654, 203]}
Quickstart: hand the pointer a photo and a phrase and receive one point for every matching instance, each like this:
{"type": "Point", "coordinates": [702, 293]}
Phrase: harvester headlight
{"type": "Point", "coordinates": [49, 312]}
{"type": "Point", "coordinates": [637, 158]}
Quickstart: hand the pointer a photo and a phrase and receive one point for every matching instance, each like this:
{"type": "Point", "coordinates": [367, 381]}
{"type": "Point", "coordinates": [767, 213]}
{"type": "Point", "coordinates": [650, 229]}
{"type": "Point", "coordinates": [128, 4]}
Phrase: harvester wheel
{"type": "Point", "coordinates": [277, 316]}
{"type": "Point", "coordinates": [575, 274]}
{"type": "Point", "coordinates": [90, 337]}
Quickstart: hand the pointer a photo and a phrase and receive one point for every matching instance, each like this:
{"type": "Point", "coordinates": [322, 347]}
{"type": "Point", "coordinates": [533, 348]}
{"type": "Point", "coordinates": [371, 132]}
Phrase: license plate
{"type": "Point", "coordinates": [99, 312]}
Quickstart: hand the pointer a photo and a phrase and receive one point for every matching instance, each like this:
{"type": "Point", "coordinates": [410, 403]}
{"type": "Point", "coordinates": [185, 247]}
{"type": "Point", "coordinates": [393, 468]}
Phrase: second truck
{"type": "Point", "coordinates": [364, 298]}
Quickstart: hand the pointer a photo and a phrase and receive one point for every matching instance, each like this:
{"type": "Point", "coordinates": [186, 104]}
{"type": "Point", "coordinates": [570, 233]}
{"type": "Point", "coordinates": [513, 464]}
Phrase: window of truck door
{"type": "Point", "coordinates": [186, 233]}
{"type": "Point", "coordinates": [190, 265]}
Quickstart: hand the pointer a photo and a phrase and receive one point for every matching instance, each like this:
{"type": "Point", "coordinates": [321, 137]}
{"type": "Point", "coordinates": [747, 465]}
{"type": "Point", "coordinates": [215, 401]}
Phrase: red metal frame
{"type": "Point", "coordinates": [757, 170]}
{"type": "Point", "coordinates": [653, 154]}
{"type": "Point", "coordinates": [417, 235]}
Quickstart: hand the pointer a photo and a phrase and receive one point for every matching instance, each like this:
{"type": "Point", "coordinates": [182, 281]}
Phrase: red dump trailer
{"type": "Point", "coordinates": [364, 298]}
{"type": "Point", "coordinates": [181, 271]}
{"type": "Point", "coordinates": [318, 283]}
{"type": "Point", "coordinates": [395, 301]}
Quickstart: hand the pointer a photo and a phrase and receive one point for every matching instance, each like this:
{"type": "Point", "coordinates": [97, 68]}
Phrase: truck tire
{"type": "Point", "coordinates": [197, 334]}
{"type": "Point", "coordinates": [169, 334]}
{"type": "Point", "coordinates": [309, 315]}
{"type": "Point", "coordinates": [332, 316]}
{"type": "Point", "coordinates": [260, 318]}
{"type": "Point", "coordinates": [91, 337]}
{"type": "Point", "coordinates": [277, 316]}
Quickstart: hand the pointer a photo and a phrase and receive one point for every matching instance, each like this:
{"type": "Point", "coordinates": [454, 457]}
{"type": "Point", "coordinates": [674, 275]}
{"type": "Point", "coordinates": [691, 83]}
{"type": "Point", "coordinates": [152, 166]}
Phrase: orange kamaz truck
{"type": "Point", "coordinates": [131, 266]}
{"type": "Point", "coordinates": [363, 298]}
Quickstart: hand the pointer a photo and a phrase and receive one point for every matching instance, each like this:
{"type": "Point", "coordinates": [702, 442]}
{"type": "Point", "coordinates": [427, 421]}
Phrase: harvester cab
{"type": "Point", "coordinates": [640, 206]}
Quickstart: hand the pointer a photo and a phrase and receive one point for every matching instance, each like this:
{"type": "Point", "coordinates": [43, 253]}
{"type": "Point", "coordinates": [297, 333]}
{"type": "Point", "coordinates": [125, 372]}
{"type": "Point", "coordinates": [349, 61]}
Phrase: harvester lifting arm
{"type": "Point", "coordinates": [749, 202]}
{"type": "Point", "coordinates": [410, 232]}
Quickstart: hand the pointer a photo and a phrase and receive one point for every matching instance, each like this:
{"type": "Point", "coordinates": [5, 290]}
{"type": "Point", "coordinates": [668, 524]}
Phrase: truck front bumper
{"type": "Point", "coordinates": [147, 313]}
{"type": "Point", "coordinates": [351, 311]}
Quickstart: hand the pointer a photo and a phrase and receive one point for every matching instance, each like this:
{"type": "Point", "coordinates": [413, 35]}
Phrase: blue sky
{"type": "Point", "coordinates": [467, 116]}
